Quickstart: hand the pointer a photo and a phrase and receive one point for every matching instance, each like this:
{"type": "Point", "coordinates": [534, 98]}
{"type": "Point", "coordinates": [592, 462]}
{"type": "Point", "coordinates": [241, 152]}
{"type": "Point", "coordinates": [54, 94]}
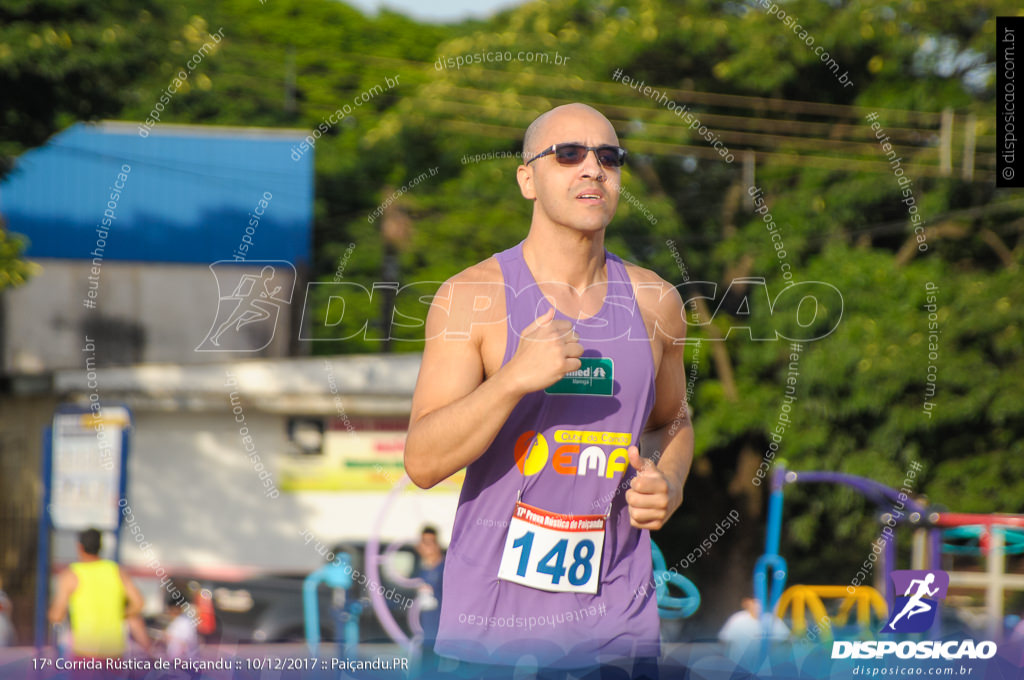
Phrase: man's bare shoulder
{"type": "Point", "coordinates": [485, 272]}
{"type": "Point", "coordinates": [483, 278]}
{"type": "Point", "coordinates": [67, 579]}
{"type": "Point", "coordinates": [459, 299]}
{"type": "Point", "coordinates": [658, 299]}
{"type": "Point", "coordinates": [652, 290]}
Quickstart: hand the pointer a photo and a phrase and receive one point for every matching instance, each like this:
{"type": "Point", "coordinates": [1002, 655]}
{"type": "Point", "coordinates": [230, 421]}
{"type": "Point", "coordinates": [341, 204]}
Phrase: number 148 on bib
{"type": "Point", "coordinates": [553, 552]}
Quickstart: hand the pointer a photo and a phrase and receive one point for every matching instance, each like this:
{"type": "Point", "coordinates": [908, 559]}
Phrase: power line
{"type": "Point", "coordinates": [739, 122]}
{"type": "Point", "coordinates": [751, 138]}
{"type": "Point", "coordinates": [665, 148]}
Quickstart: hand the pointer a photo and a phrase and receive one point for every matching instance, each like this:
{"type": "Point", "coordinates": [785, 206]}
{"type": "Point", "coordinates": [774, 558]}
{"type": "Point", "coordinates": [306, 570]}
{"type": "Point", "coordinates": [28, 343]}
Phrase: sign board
{"type": "Point", "coordinates": [86, 477]}
{"type": "Point", "coordinates": [364, 457]}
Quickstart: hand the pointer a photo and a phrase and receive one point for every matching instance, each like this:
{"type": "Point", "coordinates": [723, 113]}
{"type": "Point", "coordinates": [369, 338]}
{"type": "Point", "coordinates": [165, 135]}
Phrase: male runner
{"type": "Point", "coordinates": [543, 365]}
{"type": "Point", "coordinates": [101, 597]}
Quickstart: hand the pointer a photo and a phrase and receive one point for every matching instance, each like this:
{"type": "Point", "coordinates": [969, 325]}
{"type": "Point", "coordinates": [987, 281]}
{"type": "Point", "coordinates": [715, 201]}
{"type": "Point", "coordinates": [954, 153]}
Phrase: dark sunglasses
{"type": "Point", "coordinates": [571, 153]}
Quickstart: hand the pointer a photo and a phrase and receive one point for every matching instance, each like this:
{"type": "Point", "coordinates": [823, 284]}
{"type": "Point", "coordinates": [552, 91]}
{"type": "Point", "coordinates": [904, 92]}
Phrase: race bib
{"type": "Point", "coordinates": [554, 552]}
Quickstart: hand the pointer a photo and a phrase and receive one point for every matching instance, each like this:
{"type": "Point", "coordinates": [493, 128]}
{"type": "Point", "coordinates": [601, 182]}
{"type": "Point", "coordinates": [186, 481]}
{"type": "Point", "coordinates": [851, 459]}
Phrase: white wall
{"type": "Point", "coordinates": [199, 503]}
{"type": "Point", "coordinates": [175, 305]}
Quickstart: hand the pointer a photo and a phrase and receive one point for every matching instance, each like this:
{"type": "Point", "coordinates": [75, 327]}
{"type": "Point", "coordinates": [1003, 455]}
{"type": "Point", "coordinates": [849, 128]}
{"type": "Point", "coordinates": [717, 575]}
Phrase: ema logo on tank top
{"type": "Point", "coordinates": [577, 452]}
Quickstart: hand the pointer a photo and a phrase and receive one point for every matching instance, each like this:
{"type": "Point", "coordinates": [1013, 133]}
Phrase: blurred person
{"type": "Point", "coordinates": [6, 613]}
{"type": "Point", "coordinates": [137, 632]}
{"type": "Point", "coordinates": [431, 571]}
{"type": "Point", "coordinates": [207, 624]}
{"type": "Point", "coordinates": [181, 638]}
{"type": "Point", "coordinates": [98, 598]}
{"type": "Point", "coordinates": [1017, 633]}
{"type": "Point", "coordinates": [547, 443]}
{"type": "Point", "coordinates": [747, 626]}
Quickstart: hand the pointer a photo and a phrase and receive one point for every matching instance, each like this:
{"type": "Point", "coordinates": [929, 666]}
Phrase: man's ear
{"type": "Point", "coordinates": [524, 175]}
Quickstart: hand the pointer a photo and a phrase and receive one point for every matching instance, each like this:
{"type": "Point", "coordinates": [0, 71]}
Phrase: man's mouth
{"type": "Point", "coordinates": [590, 196]}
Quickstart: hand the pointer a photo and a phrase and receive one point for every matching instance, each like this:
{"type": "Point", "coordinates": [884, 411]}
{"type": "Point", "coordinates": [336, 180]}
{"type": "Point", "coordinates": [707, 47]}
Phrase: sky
{"type": "Point", "coordinates": [437, 11]}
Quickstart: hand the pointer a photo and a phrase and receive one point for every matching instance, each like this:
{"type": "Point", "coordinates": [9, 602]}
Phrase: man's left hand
{"type": "Point", "coordinates": [652, 496]}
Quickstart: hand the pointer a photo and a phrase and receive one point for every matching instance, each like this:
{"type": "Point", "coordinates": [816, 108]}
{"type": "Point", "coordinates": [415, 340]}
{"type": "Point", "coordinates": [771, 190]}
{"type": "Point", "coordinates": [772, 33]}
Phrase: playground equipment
{"type": "Point", "coordinates": [977, 535]}
{"type": "Point", "coordinates": [770, 571]}
{"type": "Point", "coordinates": [771, 567]}
{"type": "Point", "coordinates": [808, 598]}
{"type": "Point", "coordinates": [338, 576]}
{"type": "Point", "coordinates": [670, 607]}
{"type": "Point", "coordinates": [992, 531]}
{"type": "Point", "coordinates": [377, 601]}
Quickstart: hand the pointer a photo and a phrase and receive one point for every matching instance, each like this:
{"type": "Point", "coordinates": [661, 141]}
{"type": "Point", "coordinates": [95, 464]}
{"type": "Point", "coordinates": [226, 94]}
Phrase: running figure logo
{"type": "Point", "coordinates": [914, 611]}
{"type": "Point", "coordinates": [254, 304]}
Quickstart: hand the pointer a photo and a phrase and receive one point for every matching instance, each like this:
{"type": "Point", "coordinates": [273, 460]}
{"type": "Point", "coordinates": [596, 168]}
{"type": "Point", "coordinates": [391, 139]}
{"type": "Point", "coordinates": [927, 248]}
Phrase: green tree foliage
{"type": "Point", "coordinates": [62, 61]}
{"type": "Point", "coordinates": [14, 271]}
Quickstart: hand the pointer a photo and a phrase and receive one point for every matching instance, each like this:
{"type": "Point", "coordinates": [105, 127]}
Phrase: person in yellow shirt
{"type": "Point", "coordinates": [98, 597]}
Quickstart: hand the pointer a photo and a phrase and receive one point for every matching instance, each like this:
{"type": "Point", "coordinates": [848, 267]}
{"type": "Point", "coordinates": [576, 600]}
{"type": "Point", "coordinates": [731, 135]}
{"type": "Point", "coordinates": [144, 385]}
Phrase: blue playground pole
{"type": "Point", "coordinates": [890, 566]}
{"type": "Point", "coordinates": [43, 559]}
{"type": "Point", "coordinates": [122, 490]}
{"type": "Point", "coordinates": [771, 566]}
{"type": "Point", "coordinates": [770, 570]}
{"type": "Point", "coordinates": [774, 528]}
{"type": "Point", "coordinates": [335, 576]}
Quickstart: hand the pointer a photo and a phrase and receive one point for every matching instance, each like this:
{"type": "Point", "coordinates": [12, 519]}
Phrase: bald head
{"type": "Point", "coordinates": [536, 138]}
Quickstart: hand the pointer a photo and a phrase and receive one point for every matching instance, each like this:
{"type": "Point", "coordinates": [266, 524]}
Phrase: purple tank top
{"type": "Point", "coordinates": [487, 620]}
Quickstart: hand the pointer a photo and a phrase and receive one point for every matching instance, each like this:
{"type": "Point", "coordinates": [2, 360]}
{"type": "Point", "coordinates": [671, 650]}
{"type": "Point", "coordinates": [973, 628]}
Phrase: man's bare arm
{"type": "Point", "coordinates": [657, 492]}
{"type": "Point", "coordinates": [456, 413]}
{"type": "Point", "coordinates": [135, 599]}
{"type": "Point", "coordinates": [66, 583]}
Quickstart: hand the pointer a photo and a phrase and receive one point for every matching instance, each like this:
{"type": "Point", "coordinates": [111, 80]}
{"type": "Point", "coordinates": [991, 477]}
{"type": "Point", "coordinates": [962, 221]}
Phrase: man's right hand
{"type": "Point", "coordinates": [548, 349]}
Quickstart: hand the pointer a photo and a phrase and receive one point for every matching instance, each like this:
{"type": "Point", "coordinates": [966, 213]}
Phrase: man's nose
{"type": "Point", "coordinates": [591, 166]}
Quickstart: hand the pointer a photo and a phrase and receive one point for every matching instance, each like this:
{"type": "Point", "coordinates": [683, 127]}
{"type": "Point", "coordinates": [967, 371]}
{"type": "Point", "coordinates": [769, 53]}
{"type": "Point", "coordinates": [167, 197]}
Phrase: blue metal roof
{"type": "Point", "coordinates": [189, 196]}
